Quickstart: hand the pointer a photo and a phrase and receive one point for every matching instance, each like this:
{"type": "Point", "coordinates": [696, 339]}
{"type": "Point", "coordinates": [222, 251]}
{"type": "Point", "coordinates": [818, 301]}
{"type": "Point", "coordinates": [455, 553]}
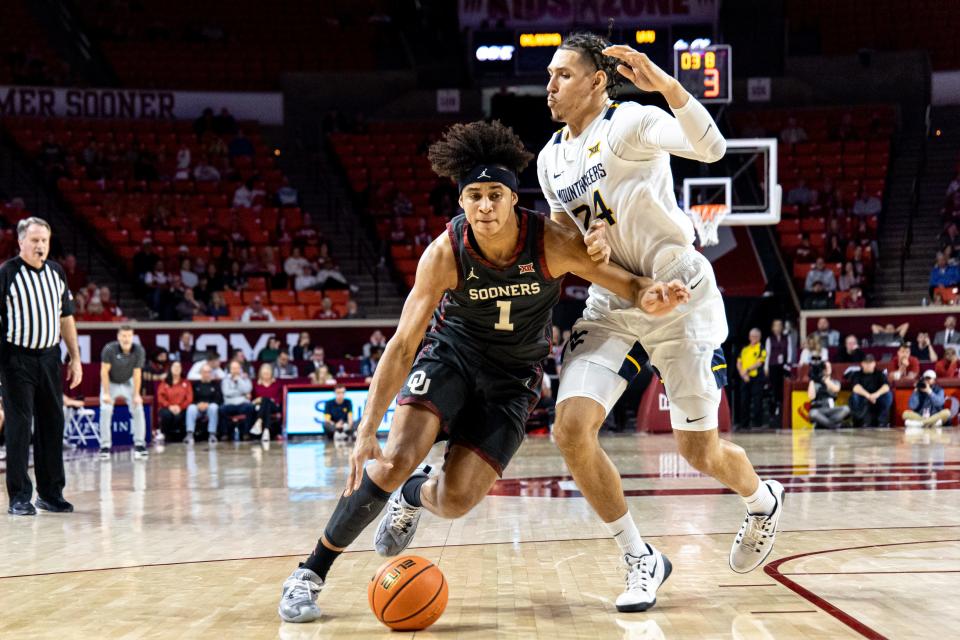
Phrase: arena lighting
{"type": "Point", "coordinates": [699, 43]}
{"type": "Point", "coordinates": [489, 53]}
{"type": "Point", "coordinates": [645, 36]}
{"type": "Point", "coordinates": [276, 152]}
{"type": "Point", "coordinates": [540, 40]}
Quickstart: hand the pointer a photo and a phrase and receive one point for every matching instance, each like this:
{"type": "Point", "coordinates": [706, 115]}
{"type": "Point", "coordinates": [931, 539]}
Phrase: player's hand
{"type": "Point", "coordinates": [137, 400]}
{"type": "Point", "coordinates": [640, 70]}
{"type": "Point", "coordinates": [365, 448]}
{"type": "Point", "coordinates": [663, 297]}
{"type": "Point", "coordinates": [596, 241]}
{"type": "Point", "coordinates": [74, 373]}
{"type": "Point", "coordinates": [104, 398]}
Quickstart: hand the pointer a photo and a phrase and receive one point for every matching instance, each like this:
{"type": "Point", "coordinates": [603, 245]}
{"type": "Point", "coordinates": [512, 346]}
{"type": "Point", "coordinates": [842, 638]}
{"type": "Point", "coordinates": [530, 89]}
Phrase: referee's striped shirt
{"type": "Point", "coordinates": [34, 300]}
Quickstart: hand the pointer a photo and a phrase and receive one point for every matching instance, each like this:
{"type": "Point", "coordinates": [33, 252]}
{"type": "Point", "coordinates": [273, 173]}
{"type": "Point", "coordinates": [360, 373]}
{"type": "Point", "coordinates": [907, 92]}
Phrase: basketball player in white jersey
{"type": "Point", "coordinates": [607, 172]}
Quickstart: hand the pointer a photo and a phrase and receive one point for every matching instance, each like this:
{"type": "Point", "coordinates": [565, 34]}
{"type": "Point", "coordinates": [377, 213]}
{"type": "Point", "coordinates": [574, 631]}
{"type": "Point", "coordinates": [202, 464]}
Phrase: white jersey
{"type": "Point", "coordinates": [618, 170]}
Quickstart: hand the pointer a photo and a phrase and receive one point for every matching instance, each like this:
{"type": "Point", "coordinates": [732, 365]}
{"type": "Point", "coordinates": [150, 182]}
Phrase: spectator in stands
{"type": "Point", "coordinates": [949, 335]}
{"type": "Point", "coordinates": [187, 275]}
{"type": "Point", "coordinates": [235, 280]}
{"type": "Point", "coordinates": [848, 278]}
{"type": "Point", "coordinates": [353, 311]}
{"type": "Point", "coordinates": [205, 172]}
{"type": "Point", "coordinates": [52, 157]}
{"type": "Point", "coordinates": [818, 297]}
{"type": "Point", "coordinates": [109, 306]}
{"type": "Point", "coordinates": [750, 365]}
{"type": "Point", "coordinates": [402, 205]}
{"type": "Point", "coordinates": [851, 351]}
{"type": "Point", "coordinates": [271, 351]}
{"type": "Point", "coordinates": [822, 392]}
{"type": "Point", "coordinates": [949, 365]}
{"type": "Point", "coordinates": [954, 186]}
{"type": "Point", "coordinates": [304, 347]}
{"type": "Point", "coordinates": [834, 252]}
{"type": "Point", "coordinates": [240, 146]}
{"type": "Point", "coordinates": [871, 397]}
{"type": "Point", "coordinates": [804, 252]}
{"type": "Point", "coordinates": [224, 124]}
{"type": "Point", "coordinates": [813, 348]}
{"type": "Point", "coordinates": [330, 277]}
{"type": "Point", "coordinates": [828, 337]}
{"type": "Point", "coordinates": [207, 399]}
{"type": "Point", "coordinates": [157, 366]}
{"type": "Point", "coordinates": [238, 355]}
{"type": "Point", "coordinates": [422, 237]}
{"type": "Point", "coordinates": [903, 366]}
{"type": "Point", "coordinates": [926, 404]}
{"type": "Point", "coordinates": [865, 241]}
{"type": "Point", "coordinates": [76, 278]}
{"type": "Point", "coordinates": [212, 362]}
{"type": "Point", "coordinates": [276, 278]}
{"type": "Point", "coordinates": [306, 280]}
{"type": "Point", "coordinates": [793, 133]}
{"type": "Point", "coordinates": [183, 163]}
{"type": "Point", "coordinates": [377, 339]}
{"type": "Point", "coordinates": [943, 274]}
{"type": "Point", "coordinates": [322, 376]}
{"type": "Point", "coordinates": [185, 348]}
{"type": "Point", "coordinates": [256, 312]}
{"type": "Point", "coordinates": [802, 195]}
{"type": "Point", "coordinates": [326, 312]}
{"type": "Point", "coordinates": [204, 124]}
{"type": "Point", "coordinates": [246, 195]}
{"type": "Point", "coordinates": [369, 365]}
{"type": "Point", "coordinates": [820, 273]}
{"type": "Point", "coordinates": [293, 266]}
{"type": "Point", "coordinates": [950, 238]}
{"type": "Point", "coordinates": [922, 350]}
{"type": "Point", "coordinates": [781, 355]}
{"type": "Point", "coordinates": [237, 393]}
{"type": "Point", "coordinates": [189, 306]}
{"type": "Point", "coordinates": [951, 208]}
{"type": "Point", "coordinates": [96, 313]}
{"type": "Point", "coordinates": [218, 306]}
{"type": "Point", "coordinates": [268, 400]}
{"type": "Point", "coordinates": [287, 196]}
{"type": "Point", "coordinates": [855, 300]}
{"type": "Point", "coordinates": [398, 235]}
{"type": "Point", "coordinates": [317, 358]}
{"type": "Point", "coordinates": [214, 146]}
{"type": "Point", "coordinates": [888, 335]}
{"type": "Point", "coordinates": [283, 368]}
{"type": "Point", "coordinates": [174, 395]}
{"type": "Point", "coordinates": [339, 423]}
{"type": "Point", "coordinates": [866, 204]}
{"type": "Point", "coordinates": [828, 198]}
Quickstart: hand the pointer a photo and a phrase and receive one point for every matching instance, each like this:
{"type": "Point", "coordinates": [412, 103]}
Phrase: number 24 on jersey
{"type": "Point", "coordinates": [600, 210]}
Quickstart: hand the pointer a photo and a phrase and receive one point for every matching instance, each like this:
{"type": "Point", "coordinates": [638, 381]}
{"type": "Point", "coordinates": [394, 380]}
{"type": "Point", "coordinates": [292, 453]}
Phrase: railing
{"type": "Point", "coordinates": [915, 199]}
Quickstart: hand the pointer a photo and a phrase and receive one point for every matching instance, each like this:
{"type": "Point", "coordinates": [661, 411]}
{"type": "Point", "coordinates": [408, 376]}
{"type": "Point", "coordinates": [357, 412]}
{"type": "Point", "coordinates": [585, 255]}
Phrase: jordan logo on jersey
{"type": "Point", "coordinates": [526, 268]}
{"type": "Point", "coordinates": [472, 275]}
{"type": "Point", "coordinates": [594, 150]}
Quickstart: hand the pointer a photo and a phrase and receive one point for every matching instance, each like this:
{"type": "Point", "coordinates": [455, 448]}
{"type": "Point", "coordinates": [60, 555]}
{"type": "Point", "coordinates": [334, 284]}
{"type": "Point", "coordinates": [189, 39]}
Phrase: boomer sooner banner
{"type": "Point", "coordinates": [536, 14]}
{"type": "Point", "coordinates": [137, 104]}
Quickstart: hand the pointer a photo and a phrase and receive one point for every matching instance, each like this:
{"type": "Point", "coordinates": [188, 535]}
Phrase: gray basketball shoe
{"type": "Point", "coordinates": [400, 522]}
{"type": "Point", "coordinates": [298, 602]}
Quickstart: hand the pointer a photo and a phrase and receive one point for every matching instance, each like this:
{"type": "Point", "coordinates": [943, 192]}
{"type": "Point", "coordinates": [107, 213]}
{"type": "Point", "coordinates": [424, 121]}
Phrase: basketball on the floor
{"type": "Point", "coordinates": [408, 593]}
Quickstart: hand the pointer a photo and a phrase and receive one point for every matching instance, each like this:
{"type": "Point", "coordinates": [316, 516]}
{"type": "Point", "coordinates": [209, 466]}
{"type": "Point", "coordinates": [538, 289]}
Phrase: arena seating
{"type": "Point", "coordinates": [221, 45]}
{"type": "Point", "coordinates": [848, 146]}
{"type": "Point", "coordinates": [386, 160]}
{"type": "Point", "coordinates": [882, 25]}
{"type": "Point", "coordinates": [177, 213]}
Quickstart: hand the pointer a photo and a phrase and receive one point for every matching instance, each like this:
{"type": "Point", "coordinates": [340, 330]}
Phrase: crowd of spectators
{"type": "Point", "coordinates": [945, 273]}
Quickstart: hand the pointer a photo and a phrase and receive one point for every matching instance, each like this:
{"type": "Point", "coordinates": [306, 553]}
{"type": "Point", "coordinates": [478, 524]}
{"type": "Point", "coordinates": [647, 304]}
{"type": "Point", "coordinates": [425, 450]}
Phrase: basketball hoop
{"type": "Point", "coordinates": [706, 220]}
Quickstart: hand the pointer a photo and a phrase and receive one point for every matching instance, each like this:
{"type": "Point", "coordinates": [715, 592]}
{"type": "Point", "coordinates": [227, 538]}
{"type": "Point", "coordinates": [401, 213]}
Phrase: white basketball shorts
{"type": "Point", "coordinates": [606, 350]}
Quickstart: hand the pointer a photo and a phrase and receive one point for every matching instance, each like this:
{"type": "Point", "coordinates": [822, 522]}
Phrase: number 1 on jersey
{"type": "Point", "coordinates": [600, 210]}
{"type": "Point", "coordinates": [504, 324]}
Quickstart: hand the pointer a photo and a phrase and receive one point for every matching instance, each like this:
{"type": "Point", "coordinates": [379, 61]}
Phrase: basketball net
{"type": "Point", "coordinates": [707, 219]}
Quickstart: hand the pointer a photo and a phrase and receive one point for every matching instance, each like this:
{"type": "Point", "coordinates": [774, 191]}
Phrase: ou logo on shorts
{"type": "Point", "coordinates": [418, 383]}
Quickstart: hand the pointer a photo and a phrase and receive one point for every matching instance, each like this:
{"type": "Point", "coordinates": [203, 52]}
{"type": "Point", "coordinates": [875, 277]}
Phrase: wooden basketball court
{"type": "Point", "coordinates": [195, 543]}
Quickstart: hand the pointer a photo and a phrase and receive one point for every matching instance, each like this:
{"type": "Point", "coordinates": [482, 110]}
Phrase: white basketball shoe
{"type": "Point", "coordinates": [298, 602]}
{"type": "Point", "coordinates": [754, 542]}
{"type": "Point", "coordinates": [645, 574]}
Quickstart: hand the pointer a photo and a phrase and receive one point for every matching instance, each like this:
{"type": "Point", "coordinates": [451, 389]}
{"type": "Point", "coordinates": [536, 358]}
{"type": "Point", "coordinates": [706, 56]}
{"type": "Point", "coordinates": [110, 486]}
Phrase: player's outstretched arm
{"type": "Point", "coordinates": [566, 253]}
{"type": "Point", "coordinates": [692, 133]}
{"type": "Point", "coordinates": [436, 272]}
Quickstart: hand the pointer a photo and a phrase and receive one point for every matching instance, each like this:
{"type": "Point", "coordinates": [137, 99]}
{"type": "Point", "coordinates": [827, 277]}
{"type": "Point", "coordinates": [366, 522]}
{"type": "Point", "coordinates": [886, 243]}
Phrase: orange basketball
{"type": "Point", "coordinates": [408, 593]}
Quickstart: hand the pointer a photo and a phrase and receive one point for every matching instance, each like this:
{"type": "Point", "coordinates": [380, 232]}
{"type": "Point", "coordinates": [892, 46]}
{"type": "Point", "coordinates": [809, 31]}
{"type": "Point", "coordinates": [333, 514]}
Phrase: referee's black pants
{"type": "Point", "coordinates": [33, 395]}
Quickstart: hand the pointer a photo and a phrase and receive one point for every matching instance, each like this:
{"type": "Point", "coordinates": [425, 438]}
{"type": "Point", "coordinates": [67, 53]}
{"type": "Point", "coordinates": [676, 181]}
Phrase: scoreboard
{"type": "Point", "coordinates": [704, 70]}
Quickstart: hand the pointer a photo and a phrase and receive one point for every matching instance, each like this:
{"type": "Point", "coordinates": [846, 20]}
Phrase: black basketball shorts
{"type": "Point", "coordinates": [481, 406]}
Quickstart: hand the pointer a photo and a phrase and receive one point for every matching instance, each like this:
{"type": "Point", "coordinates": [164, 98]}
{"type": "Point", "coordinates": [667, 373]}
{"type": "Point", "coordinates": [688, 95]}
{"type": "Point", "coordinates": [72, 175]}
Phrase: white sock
{"type": "Point", "coordinates": [761, 502]}
{"type": "Point", "coordinates": [624, 531]}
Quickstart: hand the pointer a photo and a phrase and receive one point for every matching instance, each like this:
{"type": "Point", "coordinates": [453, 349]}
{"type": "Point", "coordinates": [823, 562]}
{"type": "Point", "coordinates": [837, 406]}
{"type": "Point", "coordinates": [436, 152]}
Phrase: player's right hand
{"type": "Point", "coordinates": [106, 399]}
{"type": "Point", "coordinates": [365, 448]}
{"type": "Point", "coordinates": [596, 240]}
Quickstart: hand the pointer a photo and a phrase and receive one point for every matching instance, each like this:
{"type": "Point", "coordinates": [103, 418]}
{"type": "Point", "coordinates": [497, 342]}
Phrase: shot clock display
{"type": "Point", "coordinates": [704, 70]}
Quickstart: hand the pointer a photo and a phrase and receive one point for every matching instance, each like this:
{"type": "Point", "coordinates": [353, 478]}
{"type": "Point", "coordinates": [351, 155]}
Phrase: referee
{"type": "Point", "coordinates": [37, 309]}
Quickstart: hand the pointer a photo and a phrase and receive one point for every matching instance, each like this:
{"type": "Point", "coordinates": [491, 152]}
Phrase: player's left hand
{"type": "Point", "coordinates": [661, 298]}
{"type": "Point", "coordinates": [640, 70]}
{"type": "Point", "coordinates": [75, 373]}
{"type": "Point", "coordinates": [596, 240]}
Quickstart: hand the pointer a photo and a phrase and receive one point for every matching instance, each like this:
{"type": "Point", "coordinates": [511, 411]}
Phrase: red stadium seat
{"type": "Point", "coordinates": [309, 297]}
{"type": "Point", "coordinates": [283, 297]}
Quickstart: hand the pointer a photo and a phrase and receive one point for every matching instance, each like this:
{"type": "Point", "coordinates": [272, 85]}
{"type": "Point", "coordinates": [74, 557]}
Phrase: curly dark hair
{"type": "Point", "coordinates": [591, 46]}
{"type": "Point", "coordinates": [464, 146]}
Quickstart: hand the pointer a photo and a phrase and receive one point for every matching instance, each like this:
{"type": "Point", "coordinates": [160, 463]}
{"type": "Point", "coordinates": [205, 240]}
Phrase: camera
{"type": "Point", "coordinates": [816, 369]}
{"type": "Point", "coordinates": [921, 384]}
